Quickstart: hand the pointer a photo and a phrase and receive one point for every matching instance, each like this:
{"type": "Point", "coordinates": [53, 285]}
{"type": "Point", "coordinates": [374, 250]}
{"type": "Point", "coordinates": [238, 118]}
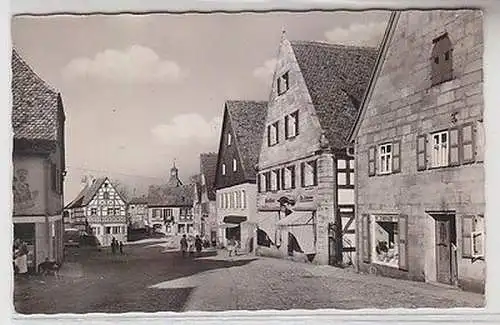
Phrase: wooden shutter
{"type": "Point", "coordinates": [315, 172]}
{"type": "Point", "coordinates": [365, 232]}
{"type": "Point", "coordinates": [421, 152]}
{"type": "Point", "coordinates": [467, 229]}
{"type": "Point", "coordinates": [302, 174]}
{"type": "Point", "coordinates": [297, 123]}
{"type": "Point", "coordinates": [403, 242]}
{"type": "Point", "coordinates": [292, 170]}
{"type": "Point", "coordinates": [371, 160]}
{"type": "Point", "coordinates": [467, 144]}
{"type": "Point", "coordinates": [277, 124]}
{"type": "Point", "coordinates": [286, 126]}
{"type": "Point", "coordinates": [480, 141]}
{"type": "Point", "coordinates": [268, 135]}
{"type": "Point", "coordinates": [396, 156]}
{"type": "Point", "coordinates": [259, 183]}
{"type": "Point", "coordinates": [454, 146]}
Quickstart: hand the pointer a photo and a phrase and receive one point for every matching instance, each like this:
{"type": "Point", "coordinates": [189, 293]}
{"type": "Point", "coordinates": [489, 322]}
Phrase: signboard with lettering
{"type": "Point", "coordinates": [386, 218]}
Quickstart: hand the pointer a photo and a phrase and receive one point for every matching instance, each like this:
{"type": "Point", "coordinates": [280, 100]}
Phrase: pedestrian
{"type": "Point", "coordinates": [184, 245]}
{"type": "Point", "coordinates": [191, 245]}
{"type": "Point", "coordinates": [121, 247]}
{"type": "Point", "coordinates": [230, 246]}
{"type": "Point", "coordinates": [113, 246]}
{"type": "Point", "coordinates": [198, 243]}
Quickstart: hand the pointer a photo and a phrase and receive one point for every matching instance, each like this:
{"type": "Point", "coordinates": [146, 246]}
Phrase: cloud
{"type": "Point", "coordinates": [137, 64]}
{"type": "Point", "coordinates": [368, 34]}
{"type": "Point", "coordinates": [188, 128]}
{"type": "Point", "coordinates": [266, 71]}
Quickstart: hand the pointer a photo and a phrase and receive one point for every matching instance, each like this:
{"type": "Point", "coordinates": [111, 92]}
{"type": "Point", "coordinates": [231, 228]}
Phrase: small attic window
{"type": "Point", "coordinates": [442, 60]}
{"type": "Point", "coordinates": [283, 83]}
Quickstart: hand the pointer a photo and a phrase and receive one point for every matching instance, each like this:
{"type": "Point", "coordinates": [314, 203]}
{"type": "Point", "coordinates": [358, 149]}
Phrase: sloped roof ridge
{"type": "Point", "coordinates": [49, 87]}
{"type": "Point", "coordinates": [332, 45]}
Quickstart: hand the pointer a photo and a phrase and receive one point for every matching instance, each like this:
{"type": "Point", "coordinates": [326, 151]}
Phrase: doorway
{"type": "Point", "coordinates": [445, 242]}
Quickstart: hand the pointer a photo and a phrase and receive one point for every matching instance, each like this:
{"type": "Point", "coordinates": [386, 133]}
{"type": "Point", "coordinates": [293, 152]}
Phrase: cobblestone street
{"type": "Point", "coordinates": [145, 279]}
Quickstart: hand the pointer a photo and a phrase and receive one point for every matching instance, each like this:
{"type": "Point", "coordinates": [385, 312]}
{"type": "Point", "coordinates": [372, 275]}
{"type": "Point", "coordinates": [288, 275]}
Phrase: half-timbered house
{"type": "Point", "coordinates": [419, 146]}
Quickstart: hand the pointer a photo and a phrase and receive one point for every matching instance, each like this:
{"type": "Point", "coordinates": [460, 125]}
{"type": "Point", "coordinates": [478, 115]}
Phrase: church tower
{"type": "Point", "coordinates": [174, 180]}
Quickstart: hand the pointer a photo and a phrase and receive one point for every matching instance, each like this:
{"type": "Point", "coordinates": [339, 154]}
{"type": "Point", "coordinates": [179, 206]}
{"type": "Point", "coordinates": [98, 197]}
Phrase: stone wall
{"type": "Point", "coordinates": [404, 105]}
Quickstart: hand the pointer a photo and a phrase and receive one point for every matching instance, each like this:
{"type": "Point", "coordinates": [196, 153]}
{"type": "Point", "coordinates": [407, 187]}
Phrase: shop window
{"type": "Point", "coordinates": [385, 248]}
{"type": "Point", "coordinates": [309, 173]}
{"type": "Point", "coordinates": [292, 125]}
{"type": "Point", "coordinates": [283, 83]}
{"type": "Point", "coordinates": [442, 60]}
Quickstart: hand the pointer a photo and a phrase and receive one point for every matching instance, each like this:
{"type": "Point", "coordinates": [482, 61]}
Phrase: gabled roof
{"type": "Point", "coordinates": [248, 123]}
{"type": "Point", "coordinates": [87, 194]}
{"type": "Point", "coordinates": [208, 167]}
{"type": "Point", "coordinates": [382, 53]}
{"type": "Point", "coordinates": [336, 77]}
{"type": "Point", "coordinates": [171, 196]}
{"type": "Point", "coordinates": [36, 107]}
{"type": "Point", "coordinates": [139, 200]}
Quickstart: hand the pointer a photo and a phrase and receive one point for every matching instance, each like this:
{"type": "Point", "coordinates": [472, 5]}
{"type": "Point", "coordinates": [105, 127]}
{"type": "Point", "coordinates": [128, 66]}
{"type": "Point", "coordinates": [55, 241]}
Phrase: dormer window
{"type": "Point", "coordinates": [283, 83]}
{"type": "Point", "coordinates": [228, 139]}
{"type": "Point", "coordinates": [442, 59]}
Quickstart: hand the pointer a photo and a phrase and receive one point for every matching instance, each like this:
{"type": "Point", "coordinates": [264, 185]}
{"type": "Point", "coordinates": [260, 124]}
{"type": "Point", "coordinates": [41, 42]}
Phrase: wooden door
{"type": "Point", "coordinates": [443, 250]}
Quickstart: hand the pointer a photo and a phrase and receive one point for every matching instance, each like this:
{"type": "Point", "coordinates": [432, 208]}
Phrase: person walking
{"type": "Point", "coordinates": [121, 248]}
{"type": "Point", "coordinates": [184, 245]}
{"type": "Point", "coordinates": [191, 245]}
{"type": "Point", "coordinates": [198, 243]}
{"type": "Point", "coordinates": [113, 246]}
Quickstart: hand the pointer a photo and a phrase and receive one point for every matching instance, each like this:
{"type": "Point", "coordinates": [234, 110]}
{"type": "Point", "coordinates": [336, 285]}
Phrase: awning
{"type": "Point", "coordinates": [228, 225]}
{"type": "Point", "coordinates": [235, 219]}
{"type": "Point", "coordinates": [297, 218]}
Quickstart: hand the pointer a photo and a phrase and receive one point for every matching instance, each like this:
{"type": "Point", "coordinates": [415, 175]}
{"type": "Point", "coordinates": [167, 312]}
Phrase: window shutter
{"type": "Point", "coordinates": [278, 84]}
{"type": "Point", "coordinates": [297, 123]}
{"type": "Point", "coordinates": [421, 152]}
{"type": "Point", "coordinates": [396, 156]}
{"type": "Point", "coordinates": [268, 181]}
{"type": "Point", "coordinates": [277, 132]}
{"type": "Point", "coordinates": [259, 183]}
{"type": "Point", "coordinates": [365, 219]}
{"type": "Point", "coordinates": [468, 150]}
{"type": "Point", "coordinates": [371, 160]}
{"type": "Point", "coordinates": [283, 185]}
{"type": "Point", "coordinates": [315, 170]}
{"type": "Point", "coordinates": [403, 242]}
{"type": "Point", "coordinates": [302, 174]}
{"type": "Point", "coordinates": [268, 135]}
{"type": "Point", "coordinates": [286, 126]}
{"type": "Point", "coordinates": [454, 146]}
{"type": "Point", "coordinates": [480, 141]}
{"type": "Point", "coordinates": [278, 183]}
{"type": "Point", "coordinates": [467, 229]}
{"type": "Point", "coordinates": [293, 176]}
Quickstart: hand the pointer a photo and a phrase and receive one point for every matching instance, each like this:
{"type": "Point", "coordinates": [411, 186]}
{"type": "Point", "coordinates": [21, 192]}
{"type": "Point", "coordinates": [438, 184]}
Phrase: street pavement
{"type": "Point", "coordinates": [148, 279]}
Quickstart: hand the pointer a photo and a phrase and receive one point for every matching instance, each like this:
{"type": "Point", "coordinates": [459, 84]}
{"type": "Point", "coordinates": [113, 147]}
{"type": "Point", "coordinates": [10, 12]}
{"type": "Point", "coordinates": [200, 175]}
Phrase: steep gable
{"type": "Point", "coordinates": [168, 196]}
{"type": "Point", "coordinates": [244, 121]}
{"type": "Point", "coordinates": [208, 167]}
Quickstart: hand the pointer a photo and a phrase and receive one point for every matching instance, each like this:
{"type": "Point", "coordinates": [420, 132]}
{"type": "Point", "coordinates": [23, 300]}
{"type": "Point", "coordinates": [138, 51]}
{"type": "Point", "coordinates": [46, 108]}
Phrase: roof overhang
{"type": "Point", "coordinates": [234, 219]}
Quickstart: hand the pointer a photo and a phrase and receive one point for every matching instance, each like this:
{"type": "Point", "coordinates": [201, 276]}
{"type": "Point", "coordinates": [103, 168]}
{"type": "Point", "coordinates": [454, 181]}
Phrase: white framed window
{"type": "Point", "coordinates": [385, 158]}
{"type": "Point", "coordinates": [309, 173]}
{"type": "Point", "coordinates": [289, 177]}
{"type": "Point", "coordinates": [440, 149]}
{"type": "Point", "coordinates": [235, 165]}
{"type": "Point", "coordinates": [283, 83]}
{"type": "Point", "coordinates": [263, 182]}
{"type": "Point", "coordinates": [238, 199]}
{"type": "Point", "coordinates": [229, 139]}
{"type": "Point", "coordinates": [274, 180]}
{"type": "Point", "coordinates": [243, 199]}
{"type": "Point", "coordinates": [273, 134]}
{"type": "Point", "coordinates": [292, 125]}
{"type": "Point", "coordinates": [223, 169]}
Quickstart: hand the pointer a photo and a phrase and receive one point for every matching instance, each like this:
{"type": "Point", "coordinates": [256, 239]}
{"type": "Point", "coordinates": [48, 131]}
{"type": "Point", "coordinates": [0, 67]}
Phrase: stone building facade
{"type": "Point", "coordinates": [419, 145]}
{"type": "Point", "coordinates": [315, 94]}
{"type": "Point", "coordinates": [38, 164]}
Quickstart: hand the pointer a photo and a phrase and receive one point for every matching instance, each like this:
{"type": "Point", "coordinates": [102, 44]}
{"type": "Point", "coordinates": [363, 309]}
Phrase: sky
{"type": "Point", "coordinates": [142, 90]}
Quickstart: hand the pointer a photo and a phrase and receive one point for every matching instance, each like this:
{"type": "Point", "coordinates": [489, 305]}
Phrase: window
{"type": "Point", "coordinates": [385, 158]}
{"type": "Point", "coordinates": [273, 134]}
{"type": "Point", "coordinates": [181, 228]}
{"type": "Point", "coordinates": [386, 237]}
{"type": "Point", "coordinates": [235, 167]}
{"type": "Point", "coordinates": [110, 211]}
{"type": "Point", "coordinates": [473, 236]}
{"type": "Point", "coordinates": [93, 211]}
{"type": "Point", "coordinates": [275, 176]}
{"type": "Point", "coordinates": [106, 185]}
{"type": "Point", "coordinates": [223, 169]}
{"type": "Point", "coordinates": [108, 230]}
{"type": "Point", "coordinates": [238, 199]}
{"type": "Point", "coordinates": [243, 199]}
{"type": "Point", "coordinates": [283, 83]}
{"type": "Point", "coordinates": [345, 174]}
{"type": "Point", "coordinates": [106, 195]}
{"type": "Point", "coordinates": [442, 60]}
{"type": "Point", "coordinates": [439, 153]}
{"type": "Point", "coordinates": [117, 211]}
{"type": "Point", "coordinates": [229, 139]}
{"type": "Point", "coordinates": [288, 177]}
{"type": "Point", "coordinates": [292, 125]}
{"type": "Point", "coordinates": [309, 174]}
{"type": "Point", "coordinates": [168, 212]}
